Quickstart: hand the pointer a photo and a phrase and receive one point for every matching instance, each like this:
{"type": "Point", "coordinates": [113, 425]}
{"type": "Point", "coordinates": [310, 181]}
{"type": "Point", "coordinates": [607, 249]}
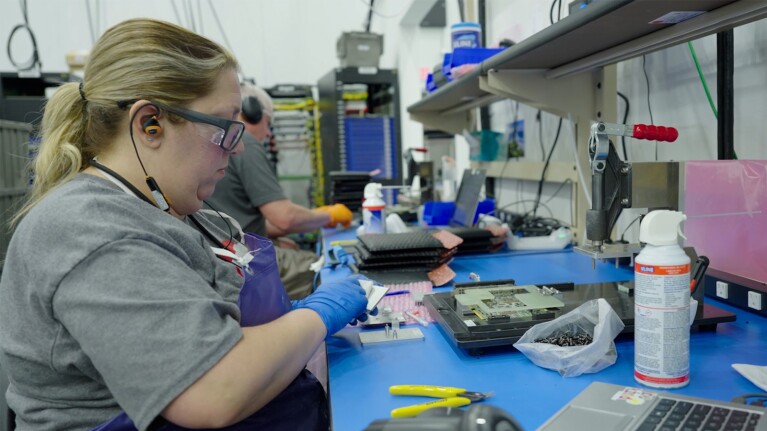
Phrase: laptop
{"type": "Point", "coordinates": [467, 198]}
{"type": "Point", "coordinates": [612, 407]}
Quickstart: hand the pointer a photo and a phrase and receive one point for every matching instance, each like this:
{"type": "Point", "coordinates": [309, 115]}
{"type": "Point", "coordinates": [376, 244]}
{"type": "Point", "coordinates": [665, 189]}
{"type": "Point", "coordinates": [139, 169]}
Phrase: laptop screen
{"type": "Point", "coordinates": [467, 199]}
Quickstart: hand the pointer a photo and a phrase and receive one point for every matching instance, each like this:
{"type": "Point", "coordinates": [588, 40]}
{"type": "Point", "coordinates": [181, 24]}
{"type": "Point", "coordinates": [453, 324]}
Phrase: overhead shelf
{"type": "Point", "coordinates": [569, 68]}
{"type": "Point", "coordinates": [603, 33]}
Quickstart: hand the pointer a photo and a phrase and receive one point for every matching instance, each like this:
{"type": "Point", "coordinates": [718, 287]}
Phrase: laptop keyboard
{"type": "Point", "coordinates": [673, 415]}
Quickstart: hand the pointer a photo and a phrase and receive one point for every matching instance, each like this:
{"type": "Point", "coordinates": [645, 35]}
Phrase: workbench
{"type": "Point", "coordinates": [360, 376]}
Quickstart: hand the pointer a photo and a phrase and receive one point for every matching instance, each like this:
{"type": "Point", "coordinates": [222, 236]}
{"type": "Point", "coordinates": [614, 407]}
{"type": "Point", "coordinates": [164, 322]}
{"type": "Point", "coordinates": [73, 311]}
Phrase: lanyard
{"type": "Point", "coordinates": [221, 251]}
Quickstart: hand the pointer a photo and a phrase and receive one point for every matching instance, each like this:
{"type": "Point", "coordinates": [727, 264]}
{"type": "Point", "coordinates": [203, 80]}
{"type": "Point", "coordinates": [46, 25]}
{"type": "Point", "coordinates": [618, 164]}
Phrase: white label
{"type": "Point", "coordinates": [367, 70]}
{"type": "Point", "coordinates": [363, 47]}
{"type": "Point", "coordinates": [677, 17]}
{"type": "Point", "coordinates": [662, 324]}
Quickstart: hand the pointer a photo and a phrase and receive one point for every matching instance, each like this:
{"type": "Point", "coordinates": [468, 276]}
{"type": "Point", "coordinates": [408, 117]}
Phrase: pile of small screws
{"type": "Point", "coordinates": [567, 339]}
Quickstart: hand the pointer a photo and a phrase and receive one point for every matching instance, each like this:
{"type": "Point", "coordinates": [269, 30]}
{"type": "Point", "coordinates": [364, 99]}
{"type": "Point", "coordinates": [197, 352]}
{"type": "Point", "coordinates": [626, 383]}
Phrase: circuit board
{"type": "Point", "coordinates": [509, 301]}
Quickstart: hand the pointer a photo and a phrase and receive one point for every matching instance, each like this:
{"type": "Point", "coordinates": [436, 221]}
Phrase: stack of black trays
{"type": "Point", "coordinates": [412, 251]}
{"type": "Point", "coordinates": [348, 188]}
{"type": "Point", "coordinates": [476, 240]}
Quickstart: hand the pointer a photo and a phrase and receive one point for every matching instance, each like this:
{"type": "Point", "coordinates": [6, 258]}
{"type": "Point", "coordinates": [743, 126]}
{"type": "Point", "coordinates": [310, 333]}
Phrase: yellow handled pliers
{"type": "Point", "coordinates": [450, 397]}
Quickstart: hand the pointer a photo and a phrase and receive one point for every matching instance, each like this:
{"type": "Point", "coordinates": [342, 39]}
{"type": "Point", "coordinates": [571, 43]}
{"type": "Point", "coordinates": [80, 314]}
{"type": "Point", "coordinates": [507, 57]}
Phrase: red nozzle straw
{"type": "Point", "coordinates": [655, 133]}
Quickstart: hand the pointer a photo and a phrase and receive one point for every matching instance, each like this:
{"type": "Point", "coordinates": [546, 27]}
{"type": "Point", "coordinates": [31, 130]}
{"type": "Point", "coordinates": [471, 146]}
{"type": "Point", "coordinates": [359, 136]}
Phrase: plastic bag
{"type": "Point", "coordinates": [595, 318]}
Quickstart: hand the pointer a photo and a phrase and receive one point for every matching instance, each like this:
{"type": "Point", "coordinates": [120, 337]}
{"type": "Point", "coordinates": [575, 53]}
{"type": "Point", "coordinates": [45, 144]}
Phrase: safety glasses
{"type": "Point", "coordinates": [218, 131]}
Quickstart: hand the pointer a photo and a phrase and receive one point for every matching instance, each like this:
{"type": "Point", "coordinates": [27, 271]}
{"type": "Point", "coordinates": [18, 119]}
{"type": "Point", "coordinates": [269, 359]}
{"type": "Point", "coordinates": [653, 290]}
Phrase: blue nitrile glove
{"type": "Point", "coordinates": [337, 303]}
{"type": "Point", "coordinates": [341, 256]}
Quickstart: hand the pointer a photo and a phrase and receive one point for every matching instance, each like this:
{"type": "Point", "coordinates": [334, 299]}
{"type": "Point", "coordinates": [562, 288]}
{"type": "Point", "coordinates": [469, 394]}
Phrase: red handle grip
{"type": "Point", "coordinates": [655, 133]}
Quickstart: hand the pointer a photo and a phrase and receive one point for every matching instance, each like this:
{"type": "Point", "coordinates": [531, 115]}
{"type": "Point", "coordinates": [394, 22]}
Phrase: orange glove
{"type": "Point", "coordinates": [339, 214]}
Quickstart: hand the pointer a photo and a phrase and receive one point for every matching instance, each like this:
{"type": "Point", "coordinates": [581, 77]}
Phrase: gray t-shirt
{"type": "Point", "coordinates": [108, 304]}
{"type": "Point", "coordinates": [249, 183]}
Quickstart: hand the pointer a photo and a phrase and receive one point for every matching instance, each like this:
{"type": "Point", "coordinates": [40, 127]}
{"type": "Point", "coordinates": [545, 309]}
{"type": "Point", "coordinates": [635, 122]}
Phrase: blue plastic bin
{"type": "Point", "coordinates": [438, 213]}
{"type": "Point", "coordinates": [461, 56]}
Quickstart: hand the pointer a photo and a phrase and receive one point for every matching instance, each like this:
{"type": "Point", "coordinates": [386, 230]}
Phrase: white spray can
{"type": "Point", "coordinates": [662, 303]}
{"type": "Point", "coordinates": [374, 209]}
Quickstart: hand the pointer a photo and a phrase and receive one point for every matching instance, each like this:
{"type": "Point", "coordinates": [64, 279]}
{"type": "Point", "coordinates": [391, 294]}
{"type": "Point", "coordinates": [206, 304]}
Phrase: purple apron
{"type": "Point", "coordinates": [303, 404]}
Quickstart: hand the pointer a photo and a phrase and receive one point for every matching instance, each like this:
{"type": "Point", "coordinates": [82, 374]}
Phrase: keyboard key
{"type": "Point", "coordinates": [671, 423]}
{"type": "Point", "coordinates": [702, 409]}
{"type": "Point", "coordinates": [667, 428]}
{"type": "Point", "coordinates": [676, 416]}
{"type": "Point", "coordinates": [652, 420]}
{"type": "Point", "coordinates": [646, 427]}
{"type": "Point", "coordinates": [683, 406]}
{"type": "Point", "coordinates": [739, 414]}
{"type": "Point", "coordinates": [693, 423]}
{"type": "Point", "coordinates": [658, 414]}
{"type": "Point", "coordinates": [666, 402]}
{"type": "Point", "coordinates": [720, 411]}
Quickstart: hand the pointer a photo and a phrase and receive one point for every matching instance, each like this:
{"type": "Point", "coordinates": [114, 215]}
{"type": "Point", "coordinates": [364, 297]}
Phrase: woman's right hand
{"type": "Point", "coordinates": [338, 303]}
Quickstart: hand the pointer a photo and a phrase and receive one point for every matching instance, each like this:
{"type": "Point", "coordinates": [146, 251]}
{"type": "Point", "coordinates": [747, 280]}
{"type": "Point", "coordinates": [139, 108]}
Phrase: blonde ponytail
{"type": "Point", "coordinates": [136, 59]}
{"type": "Point", "coordinates": [59, 156]}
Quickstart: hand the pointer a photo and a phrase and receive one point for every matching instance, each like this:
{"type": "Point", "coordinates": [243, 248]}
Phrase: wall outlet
{"type": "Point", "coordinates": [722, 289]}
{"type": "Point", "coordinates": [754, 300]}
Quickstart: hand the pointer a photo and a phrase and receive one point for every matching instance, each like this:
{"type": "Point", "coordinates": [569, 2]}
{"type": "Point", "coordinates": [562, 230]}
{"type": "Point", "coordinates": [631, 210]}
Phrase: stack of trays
{"type": "Point", "coordinates": [478, 240]}
{"type": "Point", "coordinates": [348, 188]}
{"type": "Point", "coordinates": [411, 251]}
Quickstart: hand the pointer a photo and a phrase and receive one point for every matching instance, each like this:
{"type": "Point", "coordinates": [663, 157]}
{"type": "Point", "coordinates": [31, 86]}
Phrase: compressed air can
{"type": "Point", "coordinates": [662, 304]}
{"type": "Point", "coordinates": [374, 209]}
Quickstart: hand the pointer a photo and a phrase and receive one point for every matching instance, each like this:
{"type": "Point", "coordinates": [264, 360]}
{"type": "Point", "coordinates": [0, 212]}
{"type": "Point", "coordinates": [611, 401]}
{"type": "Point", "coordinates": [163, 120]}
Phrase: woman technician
{"type": "Point", "coordinates": [115, 309]}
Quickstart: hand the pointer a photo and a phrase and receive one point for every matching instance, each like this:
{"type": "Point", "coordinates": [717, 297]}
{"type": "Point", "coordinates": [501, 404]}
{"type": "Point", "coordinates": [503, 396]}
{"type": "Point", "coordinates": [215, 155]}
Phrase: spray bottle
{"type": "Point", "coordinates": [662, 303]}
{"type": "Point", "coordinates": [374, 209]}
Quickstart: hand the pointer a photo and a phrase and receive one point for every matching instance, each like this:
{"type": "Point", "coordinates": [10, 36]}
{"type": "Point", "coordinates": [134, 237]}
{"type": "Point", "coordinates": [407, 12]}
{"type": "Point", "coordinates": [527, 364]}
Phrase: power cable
{"type": "Point", "coordinates": [649, 107]}
{"type": "Point", "coordinates": [199, 16]}
{"type": "Point", "coordinates": [218, 23]}
{"type": "Point", "coordinates": [505, 165]}
{"type": "Point", "coordinates": [175, 12]}
{"type": "Point", "coordinates": [380, 15]}
{"type": "Point", "coordinates": [546, 167]}
{"type": "Point", "coordinates": [369, 18]}
{"type": "Point", "coordinates": [90, 21]}
{"type": "Point", "coordinates": [627, 227]}
{"type": "Point", "coordinates": [705, 86]}
{"type": "Point", "coordinates": [551, 11]}
{"type": "Point", "coordinates": [34, 60]}
{"type": "Point", "coordinates": [189, 8]}
{"type": "Point", "coordinates": [625, 118]}
{"type": "Point", "coordinates": [539, 119]}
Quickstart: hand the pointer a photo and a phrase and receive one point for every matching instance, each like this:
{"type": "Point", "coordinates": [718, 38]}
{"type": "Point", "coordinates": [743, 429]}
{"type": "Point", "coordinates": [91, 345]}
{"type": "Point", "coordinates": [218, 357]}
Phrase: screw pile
{"type": "Point", "coordinates": [567, 339]}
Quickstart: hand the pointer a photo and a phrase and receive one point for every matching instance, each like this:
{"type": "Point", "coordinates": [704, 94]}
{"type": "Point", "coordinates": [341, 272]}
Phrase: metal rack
{"type": "Point", "coordinates": [360, 124]}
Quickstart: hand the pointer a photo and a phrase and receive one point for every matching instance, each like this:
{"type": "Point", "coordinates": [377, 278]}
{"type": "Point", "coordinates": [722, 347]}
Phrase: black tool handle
{"type": "Point", "coordinates": [698, 272]}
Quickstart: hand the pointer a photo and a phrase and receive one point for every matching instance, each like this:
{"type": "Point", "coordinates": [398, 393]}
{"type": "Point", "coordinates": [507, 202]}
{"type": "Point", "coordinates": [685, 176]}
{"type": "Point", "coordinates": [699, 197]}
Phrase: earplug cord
{"type": "Point", "coordinates": [154, 187]}
{"type": "Point", "coordinates": [161, 201]}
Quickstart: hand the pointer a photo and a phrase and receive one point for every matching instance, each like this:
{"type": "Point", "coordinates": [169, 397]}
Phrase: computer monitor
{"type": "Point", "coordinates": [467, 199]}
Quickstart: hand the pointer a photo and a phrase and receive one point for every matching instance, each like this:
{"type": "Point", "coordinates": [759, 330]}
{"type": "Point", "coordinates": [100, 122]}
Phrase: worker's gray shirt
{"type": "Point", "coordinates": [108, 304]}
{"type": "Point", "coordinates": [249, 183]}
